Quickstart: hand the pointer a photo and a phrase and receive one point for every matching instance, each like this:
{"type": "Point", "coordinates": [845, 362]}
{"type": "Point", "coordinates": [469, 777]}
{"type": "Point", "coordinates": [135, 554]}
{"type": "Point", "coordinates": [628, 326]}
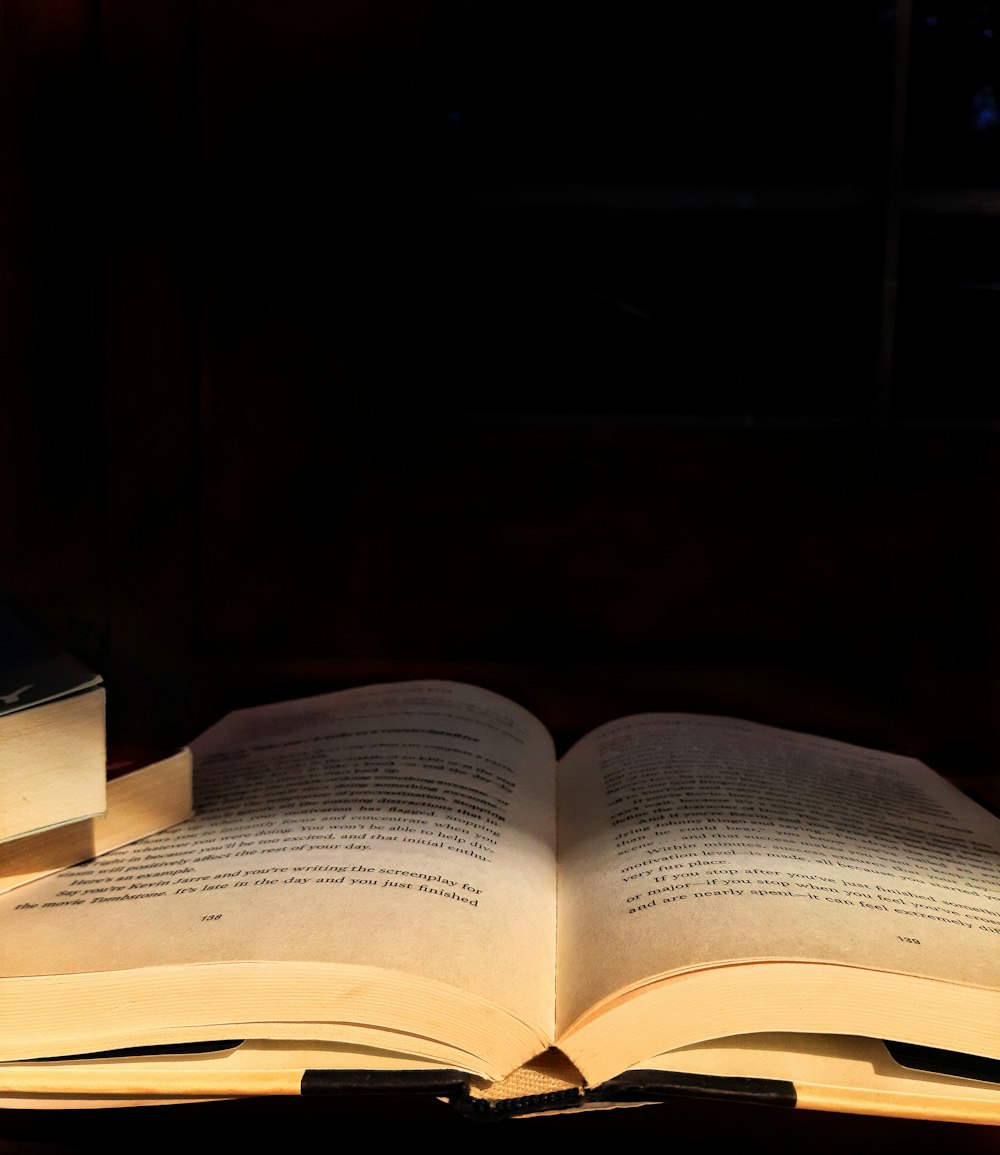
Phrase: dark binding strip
{"type": "Point", "coordinates": [644, 1086]}
{"type": "Point", "coordinates": [938, 1062]}
{"type": "Point", "coordinates": [211, 1048]}
{"type": "Point", "coordinates": [446, 1083]}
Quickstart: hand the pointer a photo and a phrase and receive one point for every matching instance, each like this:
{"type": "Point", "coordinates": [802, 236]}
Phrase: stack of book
{"type": "Point", "coordinates": [65, 797]}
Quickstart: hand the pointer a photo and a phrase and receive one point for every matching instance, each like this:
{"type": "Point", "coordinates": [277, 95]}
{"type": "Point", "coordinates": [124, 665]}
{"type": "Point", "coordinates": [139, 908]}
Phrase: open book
{"type": "Point", "coordinates": [402, 881]}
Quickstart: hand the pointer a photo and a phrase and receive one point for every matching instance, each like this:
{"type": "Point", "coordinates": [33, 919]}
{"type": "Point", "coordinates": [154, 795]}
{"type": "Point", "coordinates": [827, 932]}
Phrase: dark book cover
{"type": "Point", "coordinates": [34, 668]}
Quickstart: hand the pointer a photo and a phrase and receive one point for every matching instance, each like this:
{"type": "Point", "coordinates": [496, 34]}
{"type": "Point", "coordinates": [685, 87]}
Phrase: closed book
{"type": "Point", "coordinates": [52, 731]}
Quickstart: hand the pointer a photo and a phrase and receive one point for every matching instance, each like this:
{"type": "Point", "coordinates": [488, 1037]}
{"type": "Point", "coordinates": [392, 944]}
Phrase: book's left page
{"type": "Point", "coordinates": [374, 866]}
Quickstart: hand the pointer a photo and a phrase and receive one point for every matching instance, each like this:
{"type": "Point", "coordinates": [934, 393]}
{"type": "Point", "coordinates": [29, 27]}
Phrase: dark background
{"type": "Point", "coordinates": [617, 356]}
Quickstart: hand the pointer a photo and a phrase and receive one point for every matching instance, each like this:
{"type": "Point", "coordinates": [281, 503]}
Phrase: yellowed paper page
{"type": "Point", "coordinates": [690, 842]}
{"type": "Point", "coordinates": [405, 829]}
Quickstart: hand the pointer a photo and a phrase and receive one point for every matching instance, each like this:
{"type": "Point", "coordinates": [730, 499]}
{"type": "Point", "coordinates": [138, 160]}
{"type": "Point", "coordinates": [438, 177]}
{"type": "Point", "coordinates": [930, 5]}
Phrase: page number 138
{"type": "Point", "coordinates": [216, 917]}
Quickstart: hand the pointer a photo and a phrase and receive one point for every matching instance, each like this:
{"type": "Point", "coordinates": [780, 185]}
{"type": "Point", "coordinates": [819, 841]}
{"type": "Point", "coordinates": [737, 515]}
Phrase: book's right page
{"type": "Point", "coordinates": [729, 854]}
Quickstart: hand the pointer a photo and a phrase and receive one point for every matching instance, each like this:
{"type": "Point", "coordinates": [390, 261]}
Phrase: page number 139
{"type": "Point", "coordinates": [901, 937]}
